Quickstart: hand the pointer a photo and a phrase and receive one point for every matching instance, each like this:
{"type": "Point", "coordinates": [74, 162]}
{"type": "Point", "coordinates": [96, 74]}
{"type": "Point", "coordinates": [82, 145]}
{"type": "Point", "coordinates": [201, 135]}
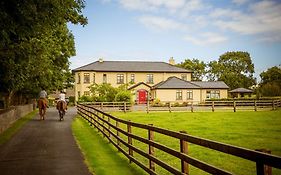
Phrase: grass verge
{"type": "Point", "coordinates": [101, 157]}
{"type": "Point", "coordinates": [8, 133]}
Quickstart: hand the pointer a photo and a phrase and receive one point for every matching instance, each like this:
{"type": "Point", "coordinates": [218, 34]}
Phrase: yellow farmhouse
{"type": "Point", "coordinates": [154, 80]}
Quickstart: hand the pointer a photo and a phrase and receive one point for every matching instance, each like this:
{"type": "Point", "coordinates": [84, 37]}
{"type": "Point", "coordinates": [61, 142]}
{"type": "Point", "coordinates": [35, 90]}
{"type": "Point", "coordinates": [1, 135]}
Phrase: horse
{"type": "Point", "coordinates": [42, 105]}
{"type": "Point", "coordinates": [61, 107]}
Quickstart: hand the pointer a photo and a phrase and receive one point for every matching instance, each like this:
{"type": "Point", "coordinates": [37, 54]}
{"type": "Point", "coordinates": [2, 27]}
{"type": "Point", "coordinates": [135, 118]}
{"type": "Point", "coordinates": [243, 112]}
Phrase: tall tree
{"type": "Point", "coordinates": [234, 68]}
{"type": "Point", "coordinates": [198, 67]}
{"type": "Point", "coordinates": [271, 82]}
{"type": "Point", "coordinates": [35, 43]}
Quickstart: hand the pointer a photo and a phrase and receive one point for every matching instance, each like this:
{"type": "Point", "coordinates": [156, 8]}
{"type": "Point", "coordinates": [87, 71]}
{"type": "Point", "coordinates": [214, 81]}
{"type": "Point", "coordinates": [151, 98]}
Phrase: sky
{"type": "Point", "coordinates": [155, 30]}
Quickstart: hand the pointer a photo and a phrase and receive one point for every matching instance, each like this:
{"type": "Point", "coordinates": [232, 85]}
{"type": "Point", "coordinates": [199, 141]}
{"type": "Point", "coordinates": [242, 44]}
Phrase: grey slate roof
{"type": "Point", "coordinates": [211, 84]}
{"type": "Point", "coordinates": [130, 66]}
{"type": "Point", "coordinates": [176, 83]}
{"type": "Point", "coordinates": [241, 90]}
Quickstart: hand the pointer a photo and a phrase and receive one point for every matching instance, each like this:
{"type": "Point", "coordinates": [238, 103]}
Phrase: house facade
{"type": "Point", "coordinates": [144, 79]}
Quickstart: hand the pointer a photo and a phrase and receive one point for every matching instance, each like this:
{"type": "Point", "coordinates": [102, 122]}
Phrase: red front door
{"type": "Point", "coordinates": [142, 96]}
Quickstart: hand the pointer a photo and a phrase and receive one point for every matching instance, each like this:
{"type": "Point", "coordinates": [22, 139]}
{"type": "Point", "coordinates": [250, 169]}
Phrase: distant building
{"type": "Point", "coordinates": [160, 80]}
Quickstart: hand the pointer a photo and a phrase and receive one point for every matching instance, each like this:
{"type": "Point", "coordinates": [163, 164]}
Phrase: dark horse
{"type": "Point", "coordinates": [42, 105]}
{"type": "Point", "coordinates": [61, 107]}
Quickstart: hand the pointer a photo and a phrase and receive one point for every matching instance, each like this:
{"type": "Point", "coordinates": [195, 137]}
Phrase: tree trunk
{"type": "Point", "coordinates": [10, 97]}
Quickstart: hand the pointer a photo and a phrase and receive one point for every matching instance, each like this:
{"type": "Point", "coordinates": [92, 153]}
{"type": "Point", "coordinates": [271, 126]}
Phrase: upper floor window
{"type": "Point", "coordinates": [86, 93]}
{"type": "Point", "coordinates": [213, 94]}
{"type": "Point", "coordinates": [179, 95]}
{"type": "Point", "coordinates": [104, 78]}
{"type": "Point", "coordinates": [86, 78]}
{"type": "Point", "coordinates": [189, 95]}
{"type": "Point", "coordinates": [149, 78]}
{"type": "Point", "coordinates": [94, 78]}
{"type": "Point", "coordinates": [120, 78]}
{"type": "Point", "coordinates": [79, 79]}
{"type": "Point", "coordinates": [184, 77]}
{"type": "Point", "coordinates": [132, 78]}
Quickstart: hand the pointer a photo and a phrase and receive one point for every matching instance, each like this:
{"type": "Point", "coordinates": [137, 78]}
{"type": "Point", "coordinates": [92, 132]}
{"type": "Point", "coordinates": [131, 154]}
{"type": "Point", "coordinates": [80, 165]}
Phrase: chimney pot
{"type": "Point", "coordinates": [172, 61]}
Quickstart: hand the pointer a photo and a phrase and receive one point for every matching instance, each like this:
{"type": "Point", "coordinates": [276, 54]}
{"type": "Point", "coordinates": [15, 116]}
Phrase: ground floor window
{"type": "Point", "coordinates": [79, 95]}
{"type": "Point", "coordinates": [189, 95]}
{"type": "Point", "coordinates": [213, 94]}
{"type": "Point", "coordinates": [179, 95]}
{"type": "Point", "coordinates": [86, 93]}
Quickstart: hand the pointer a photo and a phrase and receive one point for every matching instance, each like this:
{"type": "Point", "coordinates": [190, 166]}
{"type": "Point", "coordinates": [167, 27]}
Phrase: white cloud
{"type": "Point", "coordinates": [161, 23]}
{"type": "Point", "coordinates": [206, 39]}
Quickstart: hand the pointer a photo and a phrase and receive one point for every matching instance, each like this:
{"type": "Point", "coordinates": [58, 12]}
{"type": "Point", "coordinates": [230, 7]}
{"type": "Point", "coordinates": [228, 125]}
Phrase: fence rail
{"type": "Point", "coordinates": [104, 123]}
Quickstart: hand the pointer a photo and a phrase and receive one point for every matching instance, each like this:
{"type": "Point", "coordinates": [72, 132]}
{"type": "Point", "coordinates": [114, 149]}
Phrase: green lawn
{"type": "Point", "coordinates": [247, 129]}
{"type": "Point", "coordinates": [7, 134]}
{"type": "Point", "coordinates": [101, 157]}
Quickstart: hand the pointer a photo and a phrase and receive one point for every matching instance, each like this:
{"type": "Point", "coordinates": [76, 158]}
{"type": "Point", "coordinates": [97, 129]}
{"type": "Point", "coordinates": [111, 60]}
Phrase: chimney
{"type": "Point", "coordinates": [172, 61]}
{"type": "Point", "coordinates": [101, 60]}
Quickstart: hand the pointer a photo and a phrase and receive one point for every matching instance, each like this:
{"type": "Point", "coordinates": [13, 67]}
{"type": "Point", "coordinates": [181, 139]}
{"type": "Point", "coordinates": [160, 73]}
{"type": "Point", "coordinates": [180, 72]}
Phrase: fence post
{"type": "Point", "coordinates": [117, 126]}
{"type": "Point", "coordinates": [213, 106]}
{"type": "Point", "coordinates": [234, 106]}
{"type": "Point", "coordinates": [151, 148]}
{"type": "Point", "coordinates": [255, 103]}
{"type": "Point", "coordinates": [184, 149]}
{"type": "Point", "coordinates": [125, 107]}
{"type": "Point", "coordinates": [273, 105]}
{"type": "Point", "coordinates": [103, 126]}
{"type": "Point", "coordinates": [101, 106]}
{"type": "Point", "coordinates": [261, 168]}
{"type": "Point", "coordinates": [108, 119]}
{"type": "Point", "coordinates": [129, 130]}
{"type": "Point", "coordinates": [170, 110]}
{"type": "Point", "coordinates": [191, 108]}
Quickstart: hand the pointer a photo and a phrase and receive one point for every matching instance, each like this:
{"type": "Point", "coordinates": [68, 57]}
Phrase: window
{"type": "Point", "coordinates": [94, 78]}
{"type": "Point", "coordinates": [104, 79]}
{"type": "Point", "coordinates": [184, 77]}
{"type": "Point", "coordinates": [179, 95]}
{"type": "Point", "coordinates": [189, 95]}
{"type": "Point", "coordinates": [120, 78]}
{"type": "Point", "coordinates": [79, 95]}
{"type": "Point", "coordinates": [86, 93]}
{"type": "Point", "coordinates": [132, 78]}
{"type": "Point", "coordinates": [149, 78]}
{"type": "Point", "coordinates": [79, 79]}
{"type": "Point", "coordinates": [86, 78]}
{"type": "Point", "coordinates": [213, 94]}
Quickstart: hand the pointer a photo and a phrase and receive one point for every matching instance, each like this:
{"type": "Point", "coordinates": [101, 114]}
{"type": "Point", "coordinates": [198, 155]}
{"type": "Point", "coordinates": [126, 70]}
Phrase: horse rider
{"type": "Point", "coordinates": [62, 99]}
{"type": "Point", "coordinates": [43, 95]}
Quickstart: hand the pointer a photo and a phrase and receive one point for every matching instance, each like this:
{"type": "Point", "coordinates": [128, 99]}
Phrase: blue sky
{"type": "Point", "coordinates": [155, 30]}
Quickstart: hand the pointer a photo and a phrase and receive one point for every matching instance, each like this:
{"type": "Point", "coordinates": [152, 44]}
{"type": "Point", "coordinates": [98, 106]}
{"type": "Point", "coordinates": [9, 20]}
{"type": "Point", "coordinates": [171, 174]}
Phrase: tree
{"type": "Point", "coordinates": [198, 67]}
{"type": "Point", "coordinates": [35, 44]}
{"type": "Point", "coordinates": [234, 68]}
{"type": "Point", "coordinates": [271, 82]}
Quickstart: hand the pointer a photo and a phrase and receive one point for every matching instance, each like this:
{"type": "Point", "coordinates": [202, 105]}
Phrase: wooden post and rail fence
{"type": "Point", "coordinates": [193, 106]}
{"type": "Point", "coordinates": [109, 126]}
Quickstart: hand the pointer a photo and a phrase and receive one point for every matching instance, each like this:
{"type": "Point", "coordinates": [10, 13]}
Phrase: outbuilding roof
{"type": "Point", "coordinates": [131, 66]}
{"type": "Point", "coordinates": [177, 83]}
{"type": "Point", "coordinates": [241, 90]}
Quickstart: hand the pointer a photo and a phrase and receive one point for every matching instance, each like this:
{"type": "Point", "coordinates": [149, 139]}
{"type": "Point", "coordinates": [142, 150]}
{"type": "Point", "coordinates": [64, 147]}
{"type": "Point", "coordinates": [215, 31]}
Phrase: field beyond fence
{"type": "Point", "coordinates": [126, 137]}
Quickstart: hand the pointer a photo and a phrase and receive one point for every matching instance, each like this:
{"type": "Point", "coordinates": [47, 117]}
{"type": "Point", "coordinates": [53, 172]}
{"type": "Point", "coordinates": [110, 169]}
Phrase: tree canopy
{"type": "Point", "coordinates": [35, 44]}
{"type": "Point", "coordinates": [198, 67]}
{"type": "Point", "coordinates": [271, 82]}
{"type": "Point", "coordinates": [234, 68]}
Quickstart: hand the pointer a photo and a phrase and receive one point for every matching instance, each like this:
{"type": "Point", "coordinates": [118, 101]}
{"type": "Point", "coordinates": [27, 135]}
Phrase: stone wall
{"type": "Point", "coordinates": [12, 114]}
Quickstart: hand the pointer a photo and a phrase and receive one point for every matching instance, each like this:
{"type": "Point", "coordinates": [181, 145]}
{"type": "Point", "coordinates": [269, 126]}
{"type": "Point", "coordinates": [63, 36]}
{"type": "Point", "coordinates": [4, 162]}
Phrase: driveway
{"type": "Point", "coordinates": [43, 147]}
